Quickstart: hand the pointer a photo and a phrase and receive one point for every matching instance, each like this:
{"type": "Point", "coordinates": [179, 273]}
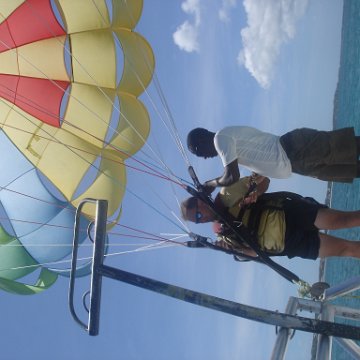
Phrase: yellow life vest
{"type": "Point", "coordinates": [270, 218]}
{"type": "Point", "coordinates": [268, 221]}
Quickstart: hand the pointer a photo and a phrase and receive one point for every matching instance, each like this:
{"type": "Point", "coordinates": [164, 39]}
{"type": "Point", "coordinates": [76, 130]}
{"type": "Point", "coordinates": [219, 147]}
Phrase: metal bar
{"type": "Point", "coordinates": [347, 312]}
{"type": "Point", "coordinates": [233, 308]}
{"type": "Point", "coordinates": [98, 258]}
{"type": "Point", "coordinates": [324, 345]}
{"type": "Point", "coordinates": [350, 346]}
{"type": "Point", "coordinates": [342, 289]}
{"type": "Point", "coordinates": [98, 255]}
{"type": "Point", "coordinates": [284, 335]}
{"type": "Point", "coordinates": [73, 263]}
{"type": "Point", "coordinates": [310, 305]}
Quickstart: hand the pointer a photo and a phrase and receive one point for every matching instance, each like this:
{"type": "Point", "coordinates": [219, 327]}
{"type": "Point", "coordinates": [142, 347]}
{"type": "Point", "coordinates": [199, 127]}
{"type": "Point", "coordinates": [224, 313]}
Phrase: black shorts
{"type": "Point", "coordinates": [301, 236]}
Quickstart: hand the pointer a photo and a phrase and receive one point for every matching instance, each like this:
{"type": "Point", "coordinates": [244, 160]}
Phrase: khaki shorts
{"type": "Point", "coordinates": [325, 155]}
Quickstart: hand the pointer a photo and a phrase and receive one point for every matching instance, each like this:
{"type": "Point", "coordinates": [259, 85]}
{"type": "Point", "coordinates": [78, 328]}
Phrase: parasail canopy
{"type": "Point", "coordinates": [71, 73]}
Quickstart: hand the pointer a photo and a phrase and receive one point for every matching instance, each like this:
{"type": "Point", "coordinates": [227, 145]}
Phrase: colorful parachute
{"type": "Point", "coordinates": [70, 76]}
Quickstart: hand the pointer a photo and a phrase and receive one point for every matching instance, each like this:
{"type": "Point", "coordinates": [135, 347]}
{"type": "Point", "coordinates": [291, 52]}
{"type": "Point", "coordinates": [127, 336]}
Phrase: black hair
{"type": "Point", "coordinates": [195, 138]}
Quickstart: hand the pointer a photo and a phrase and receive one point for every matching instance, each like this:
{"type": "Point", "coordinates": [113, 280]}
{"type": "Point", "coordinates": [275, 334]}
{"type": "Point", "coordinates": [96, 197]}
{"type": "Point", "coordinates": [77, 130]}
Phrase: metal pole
{"type": "Point", "coordinates": [98, 258]}
{"type": "Point", "coordinates": [284, 334]}
{"type": "Point", "coordinates": [324, 345]}
{"type": "Point", "coordinates": [233, 308]}
{"type": "Point", "coordinates": [98, 255]}
{"type": "Point", "coordinates": [342, 289]}
{"type": "Point", "coordinates": [351, 347]}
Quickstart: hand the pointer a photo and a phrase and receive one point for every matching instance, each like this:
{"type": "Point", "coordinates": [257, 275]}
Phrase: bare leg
{"type": "Point", "coordinates": [330, 219]}
{"type": "Point", "coordinates": [333, 246]}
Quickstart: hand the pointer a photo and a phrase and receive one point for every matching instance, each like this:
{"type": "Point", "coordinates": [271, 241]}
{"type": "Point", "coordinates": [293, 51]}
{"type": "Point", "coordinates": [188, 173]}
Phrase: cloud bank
{"type": "Point", "coordinates": [186, 35]}
{"type": "Point", "coordinates": [271, 23]}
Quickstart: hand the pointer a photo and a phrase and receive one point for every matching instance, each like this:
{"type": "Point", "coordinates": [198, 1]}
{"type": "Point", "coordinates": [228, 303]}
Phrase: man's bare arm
{"type": "Point", "coordinates": [262, 184]}
{"type": "Point", "coordinates": [240, 248]}
{"type": "Point", "coordinates": [230, 176]}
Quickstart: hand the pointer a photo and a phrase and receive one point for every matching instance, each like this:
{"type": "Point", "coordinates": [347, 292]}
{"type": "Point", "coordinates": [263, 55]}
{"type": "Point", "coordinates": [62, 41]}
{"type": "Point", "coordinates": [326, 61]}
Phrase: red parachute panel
{"type": "Point", "coordinates": [32, 21]}
{"type": "Point", "coordinates": [40, 98]}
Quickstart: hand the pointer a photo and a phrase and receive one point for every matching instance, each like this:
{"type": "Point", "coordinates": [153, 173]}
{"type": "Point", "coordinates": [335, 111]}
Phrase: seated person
{"type": "Point", "coordinates": [286, 224]}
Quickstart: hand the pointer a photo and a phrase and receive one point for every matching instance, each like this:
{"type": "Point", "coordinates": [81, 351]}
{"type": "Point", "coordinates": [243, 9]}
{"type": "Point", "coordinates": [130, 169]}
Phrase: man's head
{"type": "Point", "coordinates": [195, 210]}
{"type": "Point", "coordinates": [201, 143]}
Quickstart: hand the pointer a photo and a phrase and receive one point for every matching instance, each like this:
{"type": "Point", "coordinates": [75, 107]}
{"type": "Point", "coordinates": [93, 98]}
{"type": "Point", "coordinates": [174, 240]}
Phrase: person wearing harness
{"type": "Point", "coordinates": [285, 224]}
{"type": "Point", "coordinates": [325, 155]}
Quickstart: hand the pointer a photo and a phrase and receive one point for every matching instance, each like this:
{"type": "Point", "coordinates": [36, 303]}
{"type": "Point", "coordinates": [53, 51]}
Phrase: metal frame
{"type": "Point", "coordinates": [98, 255]}
{"type": "Point", "coordinates": [285, 321]}
{"type": "Point", "coordinates": [326, 312]}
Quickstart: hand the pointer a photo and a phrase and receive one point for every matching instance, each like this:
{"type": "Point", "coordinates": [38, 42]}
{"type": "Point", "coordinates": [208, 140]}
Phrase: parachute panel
{"type": "Point", "coordinates": [139, 62]}
{"type": "Point", "coordinates": [44, 281]}
{"type": "Point", "coordinates": [9, 62]}
{"type": "Point", "coordinates": [7, 7]}
{"type": "Point", "coordinates": [24, 26]}
{"type": "Point", "coordinates": [126, 14]}
{"type": "Point", "coordinates": [110, 184]}
{"type": "Point", "coordinates": [28, 95]}
{"type": "Point", "coordinates": [33, 63]}
{"type": "Point", "coordinates": [80, 16]}
{"type": "Point", "coordinates": [14, 259]}
{"type": "Point", "coordinates": [89, 112]}
{"type": "Point", "coordinates": [94, 58]}
{"type": "Point", "coordinates": [133, 128]}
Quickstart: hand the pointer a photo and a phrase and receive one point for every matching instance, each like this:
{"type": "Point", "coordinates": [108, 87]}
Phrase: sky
{"type": "Point", "coordinates": [266, 63]}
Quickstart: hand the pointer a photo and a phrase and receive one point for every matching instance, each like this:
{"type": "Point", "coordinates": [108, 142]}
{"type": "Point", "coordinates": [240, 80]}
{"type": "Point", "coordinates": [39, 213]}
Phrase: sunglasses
{"type": "Point", "coordinates": [198, 214]}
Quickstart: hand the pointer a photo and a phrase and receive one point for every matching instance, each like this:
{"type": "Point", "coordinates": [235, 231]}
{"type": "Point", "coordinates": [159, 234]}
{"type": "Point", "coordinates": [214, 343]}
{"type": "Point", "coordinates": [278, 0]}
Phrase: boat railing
{"type": "Point", "coordinates": [326, 311]}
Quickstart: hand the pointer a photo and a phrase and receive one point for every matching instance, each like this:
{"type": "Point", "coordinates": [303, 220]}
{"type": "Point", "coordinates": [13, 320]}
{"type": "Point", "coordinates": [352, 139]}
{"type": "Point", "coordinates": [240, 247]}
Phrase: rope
{"type": "Point", "coordinates": [61, 262]}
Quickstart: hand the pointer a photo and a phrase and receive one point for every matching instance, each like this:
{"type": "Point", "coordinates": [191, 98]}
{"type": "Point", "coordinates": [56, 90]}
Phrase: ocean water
{"type": "Point", "coordinates": [347, 113]}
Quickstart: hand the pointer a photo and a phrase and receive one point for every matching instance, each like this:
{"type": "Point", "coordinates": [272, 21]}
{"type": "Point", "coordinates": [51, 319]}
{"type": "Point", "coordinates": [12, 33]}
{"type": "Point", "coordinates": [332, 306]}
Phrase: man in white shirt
{"type": "Point", "coordinates": [325, 155]}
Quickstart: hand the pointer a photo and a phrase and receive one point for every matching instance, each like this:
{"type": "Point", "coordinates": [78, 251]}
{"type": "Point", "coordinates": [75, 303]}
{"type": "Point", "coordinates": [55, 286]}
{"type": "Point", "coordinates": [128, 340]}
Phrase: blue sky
{"type": "Point", "coordinates": [286, 79]}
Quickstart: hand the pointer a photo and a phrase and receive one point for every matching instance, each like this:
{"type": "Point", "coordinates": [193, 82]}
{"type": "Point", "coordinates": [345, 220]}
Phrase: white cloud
{"type": "Point", "coordinates": [225, 9]}
{"type": "Point", "coordinates": [192, 7]}
{"type": "Point", "coordinates": [186, 35]}
{"type": "Point", "coordinates": [271, 23]}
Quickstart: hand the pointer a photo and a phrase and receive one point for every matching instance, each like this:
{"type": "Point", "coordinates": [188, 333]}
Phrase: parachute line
{"type": "Point", "coordinates": [67, 261]}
